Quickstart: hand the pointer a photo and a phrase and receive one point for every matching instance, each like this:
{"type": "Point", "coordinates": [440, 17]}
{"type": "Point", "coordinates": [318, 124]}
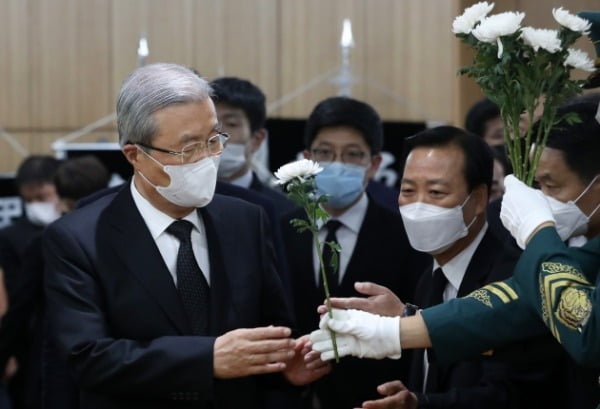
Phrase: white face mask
{"type": "Point", "coordinates": [570, 220]}
{"type": "Point", "coordinates": [191, 185]}
{"type": "Point", "coordinates": [41, 213]}
{"type": "Point", "coordinates": [433, 229]}
{"type": "Point", "coordinates": [233, 158]}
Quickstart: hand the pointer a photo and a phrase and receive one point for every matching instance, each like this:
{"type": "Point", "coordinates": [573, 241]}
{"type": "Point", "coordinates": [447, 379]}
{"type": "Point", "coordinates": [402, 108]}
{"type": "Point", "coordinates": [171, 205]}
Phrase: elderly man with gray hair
{"type": "Point", "coordinates": [164, 294]}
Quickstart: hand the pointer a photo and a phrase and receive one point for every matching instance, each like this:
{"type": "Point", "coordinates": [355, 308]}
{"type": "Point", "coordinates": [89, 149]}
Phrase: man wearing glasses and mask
{"type": "Point", "coordinates": [147, 287]}
{"type": "Point", "coordinates": [345, 136]}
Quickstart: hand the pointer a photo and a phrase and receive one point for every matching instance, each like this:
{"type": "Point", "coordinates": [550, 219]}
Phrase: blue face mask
{"type": "Point", "coordinates": [341, 182]}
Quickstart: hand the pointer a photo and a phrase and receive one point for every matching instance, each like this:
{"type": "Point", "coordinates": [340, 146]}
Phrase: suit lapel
{"type": "Point", "coordinates": [479, 266]}
{"type": "Point", "coordinates": [362, 252]}
{"type": "Point", "coordinates": [475, 276]}
{"type": "Point", "coordinates": [220, 289]}
{"type": "Point", "coordinates": [133, 244]}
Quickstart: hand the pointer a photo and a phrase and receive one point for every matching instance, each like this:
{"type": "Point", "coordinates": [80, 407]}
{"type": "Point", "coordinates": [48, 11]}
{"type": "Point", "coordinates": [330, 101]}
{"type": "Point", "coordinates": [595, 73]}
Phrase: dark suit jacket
{"type": "Point", "coordinates": [496, 226]}
{"type": "Point", "coordinates": [15, 338]}
{"type": "Point", "coordinates": [15, 240]}
{"type": "Point", "coordinates": [248, 195]}
{"type": "Point", "coordinates": [468, 384]}
{"type": "Point", "coordinates": [383, 195]}
{"type": "Point", "coordinates": [117, 317]}
{"type": "Point", "coordinates": [382, 255]}
{"type": "Point", "coordinates": [282, 204]}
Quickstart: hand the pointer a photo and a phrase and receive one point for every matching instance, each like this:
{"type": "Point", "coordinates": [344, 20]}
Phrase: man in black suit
{"type": "Point", "coordinates": [345, 136]}
{"type": "Point", "coordinates": [162, 295]}
{"type": "Point", "coordinates": [34, 181]}
{"type": "Point", "coordinates": [512, 316]}
{"type": "Point", "coordinates": [241, 110]}
{"type": "Point", "coordinates": [443, 199]}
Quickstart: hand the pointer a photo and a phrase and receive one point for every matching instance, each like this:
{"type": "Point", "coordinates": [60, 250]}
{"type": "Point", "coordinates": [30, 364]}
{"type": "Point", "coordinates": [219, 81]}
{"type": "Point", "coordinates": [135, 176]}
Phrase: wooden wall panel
{"type": "Point", "coordinates": [410, 59]}
{"type": "Point", "coordinates": [15, 65]}
{"type": "Point", "coordinates": [9, 157]}
{"type": "Point", "coordinates": [62, 61]}
{"type": "Point", "coordinates": [249, 33]}
{"type": "Point", "coordinates": [310, 37]}
{"type": "Point", "coordinates": [167, 27]}
{"type": "Point", "coordinates": [70, 57]}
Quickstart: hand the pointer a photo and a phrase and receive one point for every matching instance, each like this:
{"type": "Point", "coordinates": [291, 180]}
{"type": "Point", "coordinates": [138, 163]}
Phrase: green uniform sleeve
{"type": "Point", "coordinates": [588, 258]}
{"type": "Point", "coordinates": [489, 317]}
{"type": "Point", "coordinates": [552, 282]}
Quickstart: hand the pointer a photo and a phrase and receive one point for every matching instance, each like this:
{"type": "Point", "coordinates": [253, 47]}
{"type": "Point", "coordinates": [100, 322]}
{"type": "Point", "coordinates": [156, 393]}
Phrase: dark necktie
{"type": "Point", "coordinates": [436, 296]}
{"type": "Point", "coordinates": [438, 285]}
{"type": "Point", "coordinates": [331, 273]}
{"type": "Point", "coordinates": [191, 283]}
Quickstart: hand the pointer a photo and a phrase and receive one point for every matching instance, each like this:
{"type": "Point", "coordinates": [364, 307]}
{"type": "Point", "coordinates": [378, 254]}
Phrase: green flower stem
{"type": "Point", "coordinates": [327, 294]}
{"type": "Point", "coordinates": [301, 191]}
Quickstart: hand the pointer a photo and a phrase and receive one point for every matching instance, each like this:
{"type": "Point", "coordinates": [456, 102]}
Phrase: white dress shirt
{"type": "Point", "coordinates": [168, 245]}
{"type": "Point", "coordinates": [347, 235]}
{"type": "Point", "coordinates": [454, 270]}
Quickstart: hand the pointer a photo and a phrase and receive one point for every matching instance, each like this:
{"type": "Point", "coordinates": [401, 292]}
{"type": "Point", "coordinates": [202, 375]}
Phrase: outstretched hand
{"type": "Point", "coordinates": [397, 396]}
{"type": "Point", "coordinates": [306, 366]}
{"type": "Point", "coordinates": [380, 300]}
{"type": "Point", "coordinates": [252, 351]}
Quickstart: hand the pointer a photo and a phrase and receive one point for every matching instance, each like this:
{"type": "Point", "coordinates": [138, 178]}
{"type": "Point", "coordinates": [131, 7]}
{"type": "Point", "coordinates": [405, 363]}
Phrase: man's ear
{"type": "Point", "coordinates": [306, 154]}
{"type": "Point", "coordinates": [257, 139]}
{"type": "Point", "coordinates": [131, 153]}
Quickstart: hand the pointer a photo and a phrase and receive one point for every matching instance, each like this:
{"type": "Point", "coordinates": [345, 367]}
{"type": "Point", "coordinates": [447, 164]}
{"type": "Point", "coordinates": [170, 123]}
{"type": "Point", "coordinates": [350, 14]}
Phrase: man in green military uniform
{"type": "Point", "coordinates": [553, 288]}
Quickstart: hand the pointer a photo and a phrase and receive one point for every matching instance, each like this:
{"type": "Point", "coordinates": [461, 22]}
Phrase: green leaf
{"type": "Point", "coordinates": [300, 224]}
{"type": "Point", "coordinates": [335, 250]}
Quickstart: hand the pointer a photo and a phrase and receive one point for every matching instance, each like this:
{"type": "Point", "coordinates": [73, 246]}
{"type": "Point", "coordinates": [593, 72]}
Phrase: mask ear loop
{"type": "Point", "coordinates": [156, 161]}
{"type": "Point", "coordinates": [593, 211]}
{"type": "Point", "coordinates": [589, 186]}
{"type": "Point", "coordinates": [586, 189]}
{"type": "Point", "coordinates": [463, 205]}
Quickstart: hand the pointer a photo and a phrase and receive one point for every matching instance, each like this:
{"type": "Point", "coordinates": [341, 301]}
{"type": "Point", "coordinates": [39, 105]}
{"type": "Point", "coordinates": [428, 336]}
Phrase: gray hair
{"type": "Point", "coordinates": [149, 89]}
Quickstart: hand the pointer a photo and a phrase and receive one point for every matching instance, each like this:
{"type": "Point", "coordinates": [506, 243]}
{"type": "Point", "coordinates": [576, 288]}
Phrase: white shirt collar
{"type": "Point", "coordinates": [455, 269]}
{"type": "Point", "coordinates": [157, 221]}
{"type": "Point", "coordinates": [243, 181]}
{"type": "Point", "coordinates": [347, 236]}
{"type": "Point", "coordinates": [353, 217]}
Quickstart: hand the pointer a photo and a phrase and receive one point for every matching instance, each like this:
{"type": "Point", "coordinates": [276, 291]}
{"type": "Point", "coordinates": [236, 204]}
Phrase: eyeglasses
{"type": "Point", "coordinates": [196, 150]}
{"type": "Point", "coordinates": [351, 156]}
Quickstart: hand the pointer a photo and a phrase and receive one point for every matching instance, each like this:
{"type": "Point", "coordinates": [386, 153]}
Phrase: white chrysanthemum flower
{"type": "Point", "coordinates": [464, 23]}
{"type": "Point", "coordinates": [571, 21]}
{"type": "Point", "coordinates": [300, 169]}
{"type": "Point", "coordinates": [493, 27]}
{"type": "Point", "coordinates": [498, 25]}
{"type": "Point", "coordinates": [541, 38]}
{"type": "Point", "coordinates": [579, 59]}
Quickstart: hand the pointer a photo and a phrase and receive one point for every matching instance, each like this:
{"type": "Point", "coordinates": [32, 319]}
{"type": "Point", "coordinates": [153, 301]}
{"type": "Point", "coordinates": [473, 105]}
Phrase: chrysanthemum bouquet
{"type": "Point", "coordinates": [522, 69]}
{"type": "Point", "coordinates": [298, 179]}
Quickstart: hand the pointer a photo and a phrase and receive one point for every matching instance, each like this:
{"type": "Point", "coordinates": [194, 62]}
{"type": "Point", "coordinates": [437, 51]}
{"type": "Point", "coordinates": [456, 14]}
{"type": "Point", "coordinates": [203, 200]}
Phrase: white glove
{"type": "Point", "coordinates": [358, 333]}
{"type": "Point", "coordinates": [523, 209]}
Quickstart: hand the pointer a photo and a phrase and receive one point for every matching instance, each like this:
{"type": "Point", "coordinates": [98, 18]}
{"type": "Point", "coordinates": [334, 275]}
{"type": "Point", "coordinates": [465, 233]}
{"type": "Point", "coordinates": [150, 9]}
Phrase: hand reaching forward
{"type": "Point", "coordinates": [306, 366]}
{"type": "Point", "coordinates": [358, 333]}
{"type": "Point", "coordinates": [397, 396]}
{"type": "Point", "coordinates": [252, 351]}
{"type": "Point", "coordinates": [381, 300]}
